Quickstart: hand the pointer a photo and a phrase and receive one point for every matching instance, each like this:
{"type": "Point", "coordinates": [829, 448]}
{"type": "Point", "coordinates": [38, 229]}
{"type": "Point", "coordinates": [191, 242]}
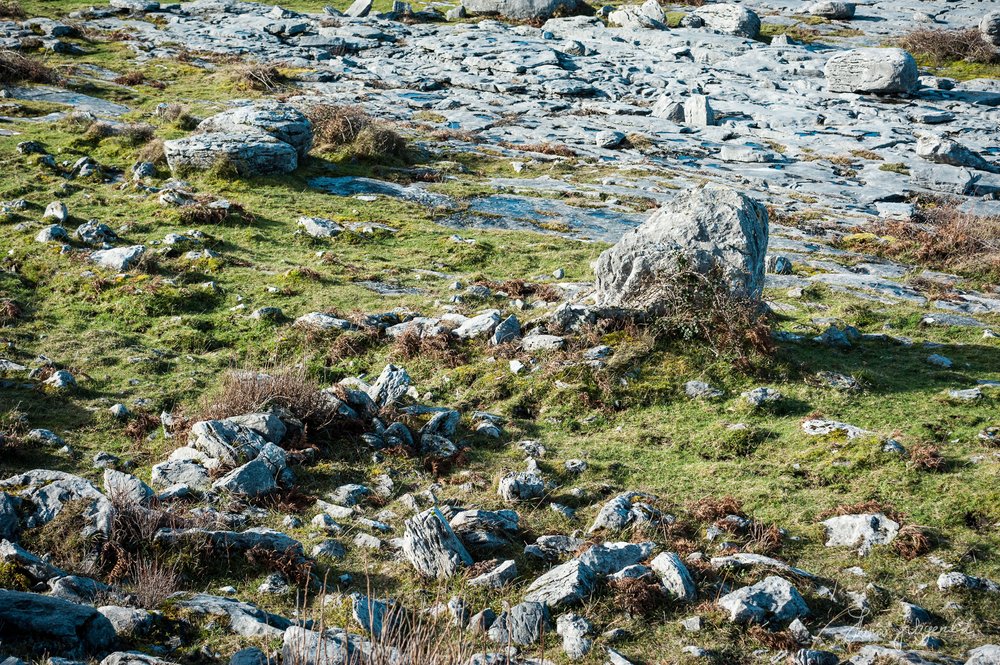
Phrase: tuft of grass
{"type": "Point", "coordinates": [637, 597]}
{"type": "Point", "coordinates": [378, 143]}
{"type": "Point", "coordinates": [10, 311]}
{"type": "Point", "coordinates": [204, 212]}
{"type": "Point", "coordinates": [337, 126]}
{"type": "Point", "coordinates": [16, 68]}
{"type": "Point", "coordinates": [257, 77]}
{"type": "Point", "coordinates": [11, 9]}
{"type": "Point", "coordinates": [927, 457]}
{"type": "Point", "coordinates": [939, 47]}
{"type": "Point", "coordinates": [555, 149]}
{"type": "Point", "coordinates": [911, 542]}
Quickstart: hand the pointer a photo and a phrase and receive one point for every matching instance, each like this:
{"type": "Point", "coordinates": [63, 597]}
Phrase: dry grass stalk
{"type": "Point", "coordinates": [943, 46]}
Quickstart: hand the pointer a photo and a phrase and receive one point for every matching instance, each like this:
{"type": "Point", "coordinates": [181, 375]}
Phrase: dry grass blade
{"type": "Point", "coordinates": [710, 509]}
{"type": "Point", "coordinates": [258, 76]}
{"type": "Point", "coordinates": [10, 311]}
{"type": "Point", "coordinates": [335, 125]}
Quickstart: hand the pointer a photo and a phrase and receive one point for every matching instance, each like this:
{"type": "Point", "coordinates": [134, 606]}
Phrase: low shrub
{"type": "Point", "coordinates": [11, 9]}
{"type": "Point", "coordinates": [337, 126]}
{"type": "Point", "coordinates": [943, 46]}
{"type": "Point", "coordinates": [378, 143]}
{"type": "Point", "coordinates": [16, 68]}
{"type": "Point", "coordinates": [258, 77]}
{"type": "Point", "coordinates": [205, 212]}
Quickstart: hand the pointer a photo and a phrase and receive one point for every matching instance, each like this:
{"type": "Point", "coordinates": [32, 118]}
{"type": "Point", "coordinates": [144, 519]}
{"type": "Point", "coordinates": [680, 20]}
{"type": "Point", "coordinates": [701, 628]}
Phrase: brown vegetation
{"type": "Point", "coordinates": [16, 68]}
{"type": "Point", "coordinates": [942, 237]}
{"type": "Point", "coordinates": [637, 597]}
{"type": "Point", "coordinates": [555, 149]}
{"type": "Point", "coordinates": [204, 212]}
{"type": "Point", "coordinates": [943, 46]}
{"type": "Point", "coordinates": [439, 348]}
{"type": "Point", "coordinates": [927, 457]}
{"type": "Point", "coordinates": [258, 77]}
{"type": "Point", "coordinates": [10, 311]}
{"type": "Point", "coordinates": [911, 541]}
{"type": "Point", "coordinates": [11, 9]}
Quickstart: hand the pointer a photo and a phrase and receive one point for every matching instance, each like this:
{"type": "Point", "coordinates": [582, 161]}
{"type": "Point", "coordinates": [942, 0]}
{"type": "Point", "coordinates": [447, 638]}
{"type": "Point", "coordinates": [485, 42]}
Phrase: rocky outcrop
{"type": "Point", "coordinates": [248, 154]}
{"type": "Point", "coordinates": [67, 627]}
{"type": "Point", "coordinates": [730, 19]}
{"type": "Point", "coordinates": [876, 71]}
{"type": "Point", "coordinates": [521, 9]}
{"type": "Point", "coordinates": [704, 229]}
{"type": "Point", "coordinates": [282, 121]}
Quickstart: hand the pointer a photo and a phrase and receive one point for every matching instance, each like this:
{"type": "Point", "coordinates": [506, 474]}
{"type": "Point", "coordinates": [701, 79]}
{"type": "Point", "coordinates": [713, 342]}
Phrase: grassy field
{"type": "Point", "coordinates": [167, 332]}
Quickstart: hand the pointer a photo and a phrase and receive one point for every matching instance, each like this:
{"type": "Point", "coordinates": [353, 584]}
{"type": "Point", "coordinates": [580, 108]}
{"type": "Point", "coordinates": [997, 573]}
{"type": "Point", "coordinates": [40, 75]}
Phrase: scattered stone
{"type": "Point", "coordinates": [772, 600]}
{"type": "Point", "coordinates": [431, 546]}
{"type": "Point", "coordinates": [862, 531]}
{"type": "Point", "coordinates": [564, 585]}
{"type": "Point", "coordinates": [879, 71]}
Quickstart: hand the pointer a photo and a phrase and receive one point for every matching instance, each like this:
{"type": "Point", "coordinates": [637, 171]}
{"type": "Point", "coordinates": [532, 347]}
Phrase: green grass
{"type": "Point", "coordinates": [163, 335]}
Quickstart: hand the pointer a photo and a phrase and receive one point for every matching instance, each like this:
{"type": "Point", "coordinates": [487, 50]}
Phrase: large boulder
{"type": "Point", "coordinates": [877, 71]}
{"type": "Point", "coordinates": [249, 153]}
{"type": "Point", "coordinates": [44, 620]}
{"type": "Point", "coordinates": [521, 9]}
{"type": "Point", "coordinates": [730, 19]}
{"type": "Point", "coordinates": [282, 121]}
{"type": "Point", "coordinates": [704, 228]}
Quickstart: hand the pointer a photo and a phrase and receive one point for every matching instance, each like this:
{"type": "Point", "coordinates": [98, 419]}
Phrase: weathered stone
{"type": "Point", "coordinates": [69, 626]}
{"type": "Point", "coordinates": [730, 19]}
{"type": "Point", "coordinates": [248, 154]}
{"type": "Point", "coordinates": [564, 585]}
{"type": "Point", "coordinates": [675, 576]}
{"type": "Point", "coordinates": [574, 630]}
{"type": "Point", "coordinates": [519, 9]}
{"type": "Point", "coordinates": [523, 624]}
{"type": "Point", "coordinates": [244, 619]}
{"type": "Point", "coordinates": [282, 121]}
{"type": "Point", "coordinates": [119, 258]}
{"type": "Point", "coordinates": [523, 486]}
{"type": "Point", "coordinates": [773, 599]}
{"type": "Point", "coordinates": [861, 531]}
{"type": "Point", "coordinates": [124, 486]}
{"type": "Point", "coordinates": [832, 9]}
{"type": "Point", "coordinates": [704, 228]}
{"type": "Point", "coordinates": [430, 544]}
{"type": "Point", "coordinates": [608, 558]}
{"type": "Point", "coordinates": [879, 71]}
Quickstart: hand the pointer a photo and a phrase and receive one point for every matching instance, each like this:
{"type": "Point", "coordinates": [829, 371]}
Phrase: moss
{"type": "Point", "coordinates": [13, 578]}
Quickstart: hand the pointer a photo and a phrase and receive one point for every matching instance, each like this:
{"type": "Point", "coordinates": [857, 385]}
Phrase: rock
{"type": "Point", "coordinates": [988, 654]}
{"type": "Point", "coordinates": [390, 386]}
{"type": "Point", "coordinates": [773, 599]}
{"type": "Point", "coordinates": [75, 628]}
{"type": "Point", "coordinates": [508, 330]}
{"type": "Point", "coordinates": [18, 560]}
{"type": "Point", "coordinates": [701, 390]}
{"type": "Point", "coordinates": [698, 112]}
{"type": "Point", "coordinates": [708, 227]}
{"type": "Point", "coordinates": [956, 580]}
{"type": "Point", "coordinates": [129, 622]}
{"type": "Point", "coordinates": [609, 139]}
{"type": "Point", "coordinates": [759, 397]}
{"type": "Point", "coordinates": [574, 630]}
{"type": "Point", "coordinates": [181, 472]}
{"type": "Point", "coordinates": [862, 531]}
{"type": "Point", "coordinates": [253, 479]}
{"type": "Point", "coordinates": [52, 233]}
{"type": "Point", "coordinates": [431, 546]}
{"type": "Point", "coordinates": [248, 154]}
{"type": "Point", "coordinates": [939, 361]}
{"type": "Point", "coordinates": [61, 380]}
{"type": "Point", "coordinates": [503, 574]}
{"type": "Point", "coordinates": [318, 227]}
{"type": "Point", "coordinates": [521, 487]}
{"type": "Point", "coordinates": [57, 211]}
{"type": "Point", "coordinates": [120, 486]}
{"type": "Point", "coordinates": [675, 576]}
{"type": "Point", "coordinates": [331, 549]}
{"type": "Point", "coordinates": [119, 258]}
{"type": "Point", "coordinates": [832, 9]}
{"type": "Point", "coordinates": [243, 619]}
{"type": "Point", "coordinates": [942, 150]}
{"type": "Point", "coordinates": [282, 121]}
{"type": "Point", "coordinates": [359, 9]}
{"type": "Point", "coordinates": [989, 26]}
{"type": "Point", "coordinates": [564, 585]}
{"type": "Point", "coordinates": [522, 624]}
{"type": "Point", "coordinates": [321, 321]}
{"type": "Point", "coordinates": [227, 441]}
{"type": "Point", "coordinates": [234, 541]}
{"type": "Point", "coordinates": [729, 19]}
{"type": "Point", "coordinates": [621, 512]}
{"type": "Point", "coordinates": [815, 657]}
{"type": "Point", "coordinates": [10, 520]}
{"type": "Point", "coordinates": [878, 71]}
{"type": "Point", "coordinates": [519, 9]}
{"type": "Point", "coordinates": [648, 15]}
{"type": "Point", "coordinates": [540, 342]}
{"type": "Point", "coordinates": [479, 326]}
{"type": "Point", "coordinates": [745, 560]}
{"type": "Point", "coordinates": [267, 425]}
{"type": "Point", "coordinates": [914, 615]}
{"type": "Point", "coordinates": [46, 493]}
{"type": "Point", "coordinates": [250, 656]}
{"type": "Point", "coordinates": [608, 558]}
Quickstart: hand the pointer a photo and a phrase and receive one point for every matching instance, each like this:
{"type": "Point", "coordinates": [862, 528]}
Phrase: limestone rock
{"type": "Point", "coordinates": [773, 599]}
{"type": "Point", "coordinates": [861, 531]}
{"type": "Point", "coordinates": [282, 121]}
{"type": "Point", "coordinates": [878, 71]}
{"type": "Point", "coordinates": [249, 154]}
{"type": "Point", "coordinates": [564, 585]}
{"type": "Point", "coordinates": [730, 19]}
{"type": "Point", "coordinates": [76, 628]}
{"type": "Point", "coordinates": [519, 9]}
{"type": "Point", "coordinates": [430, 544]}
{"type": "Point", "coordinates": [706, 228]}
